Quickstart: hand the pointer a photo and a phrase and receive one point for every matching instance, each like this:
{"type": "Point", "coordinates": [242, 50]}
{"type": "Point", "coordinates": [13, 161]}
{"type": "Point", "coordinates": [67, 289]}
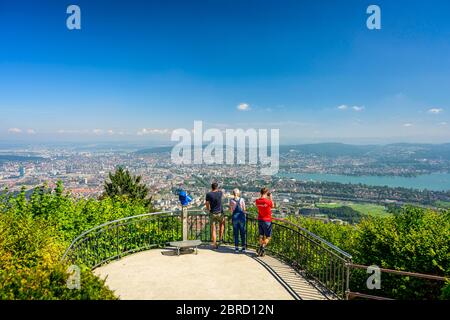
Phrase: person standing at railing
{"type": "Point", "coordinates": [216, 216]}
{"type": "Point", "coordinates": [264, 204]}
{"type": "Point", "coordinates": [238, 218]}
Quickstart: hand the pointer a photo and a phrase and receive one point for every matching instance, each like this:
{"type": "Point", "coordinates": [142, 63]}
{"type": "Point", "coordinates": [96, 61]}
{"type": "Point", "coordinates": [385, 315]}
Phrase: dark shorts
{"type": "Point", "coordinates": [265, 228]}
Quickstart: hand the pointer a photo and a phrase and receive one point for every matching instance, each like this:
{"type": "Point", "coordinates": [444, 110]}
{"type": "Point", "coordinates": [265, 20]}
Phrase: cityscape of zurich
{"type": "Point", "coordinates": [245, 152]}
{"type": "Point", "coordinates": [310, 175]}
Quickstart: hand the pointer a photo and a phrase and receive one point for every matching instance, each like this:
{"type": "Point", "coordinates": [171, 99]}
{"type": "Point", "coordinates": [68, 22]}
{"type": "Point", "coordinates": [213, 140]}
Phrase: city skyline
{"type": "Point", "coordinates": [135, 73]}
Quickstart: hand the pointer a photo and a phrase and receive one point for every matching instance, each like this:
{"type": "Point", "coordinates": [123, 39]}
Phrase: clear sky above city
{"type": "Point", "coordinates": [138, 69]}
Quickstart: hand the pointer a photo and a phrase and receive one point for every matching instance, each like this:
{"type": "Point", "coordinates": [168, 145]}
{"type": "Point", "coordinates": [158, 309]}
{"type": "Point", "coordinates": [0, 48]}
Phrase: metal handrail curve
{"type": "Point", "coordinates": [319, 259]}
{"type": "Point", "coordinates": [324, 263]}
{"type": "Point", "coordinates": [332, 246]}
{"type": "Point", "coordinates": [110, 223]}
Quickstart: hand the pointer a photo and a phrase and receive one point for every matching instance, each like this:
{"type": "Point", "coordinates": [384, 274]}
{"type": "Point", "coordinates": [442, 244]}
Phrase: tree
{"type": "Point", "coordinates": [123, 184]}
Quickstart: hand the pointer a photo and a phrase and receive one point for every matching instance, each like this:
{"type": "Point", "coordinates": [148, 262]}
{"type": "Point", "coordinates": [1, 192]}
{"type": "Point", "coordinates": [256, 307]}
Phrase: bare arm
{"type": "Point", "coordinates": [208, 206]}
{"type": "Point", "coordinates": [273, 202]}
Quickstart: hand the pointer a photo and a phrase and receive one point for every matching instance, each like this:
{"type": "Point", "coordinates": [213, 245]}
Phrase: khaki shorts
{"type": "Point", "coordinates": [216, 217]}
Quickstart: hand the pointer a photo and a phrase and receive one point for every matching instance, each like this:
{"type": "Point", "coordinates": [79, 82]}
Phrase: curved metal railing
{"type": "Point", "coordinates": [317, 238]}
{"type": "Point", "coordinates": [117, 238]}
{"type": "Point", "coordinates": [316, 258]}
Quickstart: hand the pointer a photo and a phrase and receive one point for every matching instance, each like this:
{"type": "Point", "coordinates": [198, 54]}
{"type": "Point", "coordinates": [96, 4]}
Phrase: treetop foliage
{"type": "Point", "coordinates": [123, 184]}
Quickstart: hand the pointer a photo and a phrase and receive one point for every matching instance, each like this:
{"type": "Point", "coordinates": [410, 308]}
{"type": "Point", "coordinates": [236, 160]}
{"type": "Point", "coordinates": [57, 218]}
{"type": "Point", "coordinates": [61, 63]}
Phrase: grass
{"type": "Point", "coordinates": [364, 208]}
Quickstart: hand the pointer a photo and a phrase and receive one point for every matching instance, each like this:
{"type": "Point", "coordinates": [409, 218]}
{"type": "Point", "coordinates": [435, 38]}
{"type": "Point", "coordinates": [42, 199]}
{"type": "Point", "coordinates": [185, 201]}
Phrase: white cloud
{"type": "Point", "coordinates": [18, 131]}
{"type": "Point", "coordinates": [443, 123]}
{"type": "Point", "coordinates": [65, 131]}
{"type": "Point", "coordinates": [344, 107]}
{"type": "Point", "coordinates": [91, 131]}
{"type": "Point", "coordinates": [62, 131]}
{"type": "Point", "coordinates": [14, 130]}
{"type": "Point", "coordinates": [407, 125]}
{"type": "Point", "coordinates": [146, 131]}
{"type": "Point", "coordinates": [435, 110]}
{"type": "Point", "coordinates": [243, 107]}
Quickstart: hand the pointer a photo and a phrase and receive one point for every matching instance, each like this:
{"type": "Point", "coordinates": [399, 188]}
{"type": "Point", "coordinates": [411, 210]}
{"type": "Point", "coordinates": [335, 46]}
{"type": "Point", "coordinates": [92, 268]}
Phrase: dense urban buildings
{"type": "Point", "coordinates": [84, 170]}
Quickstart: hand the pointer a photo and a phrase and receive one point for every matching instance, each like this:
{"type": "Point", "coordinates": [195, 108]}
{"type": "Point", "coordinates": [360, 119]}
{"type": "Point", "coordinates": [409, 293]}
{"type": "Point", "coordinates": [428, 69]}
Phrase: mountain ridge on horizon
{"type": "Point", "coordinates": [334, 149]}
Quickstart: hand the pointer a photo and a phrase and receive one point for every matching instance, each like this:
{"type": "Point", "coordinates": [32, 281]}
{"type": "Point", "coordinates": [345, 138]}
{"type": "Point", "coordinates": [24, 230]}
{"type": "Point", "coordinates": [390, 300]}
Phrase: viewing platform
{"type": "Point", "coordinates": [133, 254]}
{"type": "Point", "coordinates": [211, 274]}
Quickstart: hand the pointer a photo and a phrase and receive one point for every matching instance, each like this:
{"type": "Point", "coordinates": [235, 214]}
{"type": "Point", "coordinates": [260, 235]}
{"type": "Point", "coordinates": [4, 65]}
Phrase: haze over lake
{"type": "Point", "coordinates": [434, 181]}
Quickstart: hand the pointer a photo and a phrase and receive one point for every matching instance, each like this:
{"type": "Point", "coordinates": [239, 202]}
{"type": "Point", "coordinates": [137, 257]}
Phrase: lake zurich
{"type": "Point", "coordinates": [435, 181]}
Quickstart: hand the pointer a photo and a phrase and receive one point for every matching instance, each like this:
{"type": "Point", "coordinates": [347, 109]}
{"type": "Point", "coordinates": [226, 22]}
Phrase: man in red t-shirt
{"type": "Point", "coordinates": [264, 204]}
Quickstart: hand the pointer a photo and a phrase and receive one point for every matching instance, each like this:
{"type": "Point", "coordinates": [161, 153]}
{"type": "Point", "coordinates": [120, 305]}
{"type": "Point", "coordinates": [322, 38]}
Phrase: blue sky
{"type": "Point", "coordinates": [139, 69]}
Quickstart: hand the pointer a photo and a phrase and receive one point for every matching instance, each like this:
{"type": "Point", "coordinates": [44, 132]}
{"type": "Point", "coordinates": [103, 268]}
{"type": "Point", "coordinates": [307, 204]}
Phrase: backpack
{"type": "Point", "coordinates": [237, 208]}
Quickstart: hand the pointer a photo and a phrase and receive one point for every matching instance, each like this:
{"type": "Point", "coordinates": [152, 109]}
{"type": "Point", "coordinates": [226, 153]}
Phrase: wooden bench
{"type": "Point", "coordinates": [186, 244]}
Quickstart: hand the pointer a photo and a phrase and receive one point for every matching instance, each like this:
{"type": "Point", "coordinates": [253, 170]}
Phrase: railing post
{"type": "Point", "coordinates": [117, 242]}
{"type": "Point", "coordinates": [347, 280]}
{"type": "Point", "coordinates": [184, 217]}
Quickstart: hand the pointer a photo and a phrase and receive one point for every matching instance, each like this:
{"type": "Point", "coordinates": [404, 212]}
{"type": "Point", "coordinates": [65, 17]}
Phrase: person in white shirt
{"type": "Point", "coordinates": [238, 218]}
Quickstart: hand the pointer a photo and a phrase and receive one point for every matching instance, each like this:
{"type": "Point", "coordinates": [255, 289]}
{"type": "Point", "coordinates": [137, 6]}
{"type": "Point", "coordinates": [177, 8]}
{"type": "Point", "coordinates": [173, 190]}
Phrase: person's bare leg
{"type": "Point", "coordinates": [221, 230]}
{"type": "Point", "coordinates": [213, 233]}
{"type": "Point", "coordinates": [265, 242]}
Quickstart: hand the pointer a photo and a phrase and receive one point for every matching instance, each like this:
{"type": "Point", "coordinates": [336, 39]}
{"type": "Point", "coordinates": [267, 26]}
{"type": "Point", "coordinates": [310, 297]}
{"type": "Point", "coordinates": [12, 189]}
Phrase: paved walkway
{"type": "Point", "coordinates": [218, 275]}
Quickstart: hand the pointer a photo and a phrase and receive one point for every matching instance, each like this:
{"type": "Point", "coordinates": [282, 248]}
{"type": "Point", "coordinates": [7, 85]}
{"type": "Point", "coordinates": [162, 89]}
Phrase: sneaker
{"type": "Point", "coordinates": [243, 250]}
{"type": "Point", "coordinates": [236, 250]}
{"type": "Point", "coordinates": [263, 251]}
{"type": "Point", "coordinates": [258, 251]}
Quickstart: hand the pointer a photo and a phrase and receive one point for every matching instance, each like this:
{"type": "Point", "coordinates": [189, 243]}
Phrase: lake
{"type": "Point", "coordinates": [435, 181]}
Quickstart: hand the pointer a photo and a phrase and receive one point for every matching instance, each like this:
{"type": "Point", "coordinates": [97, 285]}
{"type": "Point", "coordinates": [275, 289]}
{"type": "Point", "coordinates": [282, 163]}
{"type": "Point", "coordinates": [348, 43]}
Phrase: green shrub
{"type": "Point", "coordinates": [35, 232]}
{"type": "Point", "coordinates": [412, 239]}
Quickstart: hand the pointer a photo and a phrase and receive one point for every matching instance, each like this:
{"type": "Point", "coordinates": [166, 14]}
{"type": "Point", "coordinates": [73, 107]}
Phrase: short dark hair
{"type": "Point", "coordinates": [214, 186]}
{"type": "Point", "coordinates": [264, 191]}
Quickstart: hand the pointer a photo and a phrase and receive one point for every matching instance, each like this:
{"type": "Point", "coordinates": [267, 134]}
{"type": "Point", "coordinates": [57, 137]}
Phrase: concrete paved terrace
{"type": "Point", "coordinates": [211, 274]}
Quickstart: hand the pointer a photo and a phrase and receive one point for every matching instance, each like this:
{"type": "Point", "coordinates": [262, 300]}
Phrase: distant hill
{"type": "Point", "coordinates": [330, 149]}
{"type": "Point", "coordinates": [398, 150]}
{"type": "Point", "coordinates": [433, 151]}
{"type": "Point", "coordinates": [154, 150]}
{"type": "Point", "coordinates": [16, 158]}
{"type": "Point", "coordinates": [162, 149]}
{"type": "Point", "coordinates": [391, 151]}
